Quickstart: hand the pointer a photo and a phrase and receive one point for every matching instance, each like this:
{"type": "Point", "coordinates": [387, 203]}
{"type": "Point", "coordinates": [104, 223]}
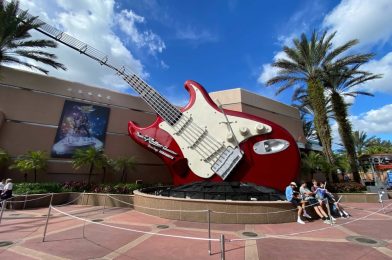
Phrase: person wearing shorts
{"type": "Point", "coordinates": [295, 198]}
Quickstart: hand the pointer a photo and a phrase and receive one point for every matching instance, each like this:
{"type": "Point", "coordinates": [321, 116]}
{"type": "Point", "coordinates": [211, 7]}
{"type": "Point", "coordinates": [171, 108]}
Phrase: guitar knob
{"type": "Point", "coordinates": [230, 137]}
{"type": "Point", "coordinates": [260, 128]}
{"type": "Point", "coordinates": [244, 131]}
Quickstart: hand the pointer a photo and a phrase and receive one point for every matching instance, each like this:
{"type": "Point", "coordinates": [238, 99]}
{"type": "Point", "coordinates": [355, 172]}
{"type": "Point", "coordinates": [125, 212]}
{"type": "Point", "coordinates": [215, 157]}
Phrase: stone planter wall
{"type": "Point", "coordinates": [227, 212]}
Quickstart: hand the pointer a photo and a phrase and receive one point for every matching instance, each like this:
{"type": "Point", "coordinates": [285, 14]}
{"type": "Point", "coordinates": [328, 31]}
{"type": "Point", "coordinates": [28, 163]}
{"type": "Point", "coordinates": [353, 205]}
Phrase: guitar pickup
{"type": "Point", "coordinates": [270, 146]}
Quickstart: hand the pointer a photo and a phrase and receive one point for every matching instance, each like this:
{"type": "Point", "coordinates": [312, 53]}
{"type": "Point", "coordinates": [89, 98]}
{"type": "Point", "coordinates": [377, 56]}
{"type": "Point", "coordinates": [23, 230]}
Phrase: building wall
{"type": "Point", "coordinates": [31, 106]}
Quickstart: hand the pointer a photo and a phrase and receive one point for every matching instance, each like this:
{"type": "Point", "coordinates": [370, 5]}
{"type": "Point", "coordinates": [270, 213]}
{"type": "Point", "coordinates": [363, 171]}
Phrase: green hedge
{"type": "Point", "coordinates": [346, 187]}
{"type": "Point", "coordinates": [37, 188]}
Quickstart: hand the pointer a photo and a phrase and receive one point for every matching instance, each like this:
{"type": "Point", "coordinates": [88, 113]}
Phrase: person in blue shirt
{"type": "Point", "coordinates": [295, 199]}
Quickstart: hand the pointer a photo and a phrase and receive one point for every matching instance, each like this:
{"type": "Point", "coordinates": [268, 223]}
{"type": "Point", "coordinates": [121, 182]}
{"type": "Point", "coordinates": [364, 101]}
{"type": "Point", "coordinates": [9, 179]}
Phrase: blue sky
{"type": "Point", "coordinates": [221, 44]}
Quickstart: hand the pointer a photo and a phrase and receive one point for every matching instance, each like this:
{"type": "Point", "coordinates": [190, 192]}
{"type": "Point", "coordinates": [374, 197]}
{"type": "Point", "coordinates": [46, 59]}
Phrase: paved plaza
{"type": "Point", "coordinates": [121, 233]}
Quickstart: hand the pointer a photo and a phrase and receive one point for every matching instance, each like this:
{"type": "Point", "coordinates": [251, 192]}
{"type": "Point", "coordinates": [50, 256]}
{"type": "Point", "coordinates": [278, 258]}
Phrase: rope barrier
{"type": "Point", "coordinates": [18, 201]}
{"type": "Point", "coordinates": [310, 231]}
{"type": "Point", "coordinates": [135, 230]}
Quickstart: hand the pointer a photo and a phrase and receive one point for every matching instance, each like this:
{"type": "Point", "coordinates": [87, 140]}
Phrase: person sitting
{"type": "Point", "coordinates": [295, 199]}
{"type": "Point", "coordinates": [2, 183]}
{"type": "Point", "coordinates": [313, 202]}
{"type": "Point", "coordinates": [322, 193]}
{"type": "Point", "coordinates": [7, 190]}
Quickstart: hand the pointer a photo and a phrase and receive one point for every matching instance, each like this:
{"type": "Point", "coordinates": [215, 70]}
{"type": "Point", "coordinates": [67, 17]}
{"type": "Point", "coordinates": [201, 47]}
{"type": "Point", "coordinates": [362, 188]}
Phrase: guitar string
{"type": "Point", "coordinates": [177, 114]}
{"type": "Point", "coordinates": [151, 95]}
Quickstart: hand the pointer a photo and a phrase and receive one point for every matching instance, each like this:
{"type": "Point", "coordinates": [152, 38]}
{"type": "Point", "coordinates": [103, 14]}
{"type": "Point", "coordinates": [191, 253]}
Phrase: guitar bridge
{"type": "Point", "coordinates": [227, 161]}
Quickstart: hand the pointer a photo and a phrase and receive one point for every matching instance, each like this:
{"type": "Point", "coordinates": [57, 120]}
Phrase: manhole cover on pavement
{"type": "Point", "coordinates": [162, 226]}
{"type": "Point", "coordinates": [5, 243]}
{"type": "Point", "coordinates": [97, 220]}
{"type": "Point", "coordinates": [366, 241]}
{"type": "Point", "coordinates": [249, 234]}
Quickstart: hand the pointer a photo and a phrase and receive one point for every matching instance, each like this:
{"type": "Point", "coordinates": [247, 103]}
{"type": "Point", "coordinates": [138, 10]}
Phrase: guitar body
{"type": "Point", "coordinates": [258, 164]}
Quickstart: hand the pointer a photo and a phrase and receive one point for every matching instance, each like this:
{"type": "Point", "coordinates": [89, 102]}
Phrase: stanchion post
{"type": "Point", "coordinates": [222, 242]}
{"type": "Point", "coordinates": [51, 200]}
{"type": "Point", "coordinates": [24, 204]}
{"type": "Point", "coordinates": [47, 221]}
{"type": "Point", "coordinates": [104, 204]}
{"type": "Point", "coordinates": [380, 193]}
{"type": "Point", "coordinates": [3, 204]}
{"type": "Point", "coordinates": [209, 230]}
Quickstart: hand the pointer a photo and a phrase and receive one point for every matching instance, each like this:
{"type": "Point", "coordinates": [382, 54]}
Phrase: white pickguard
{"type": "Point", "coordinates": [206, 117]}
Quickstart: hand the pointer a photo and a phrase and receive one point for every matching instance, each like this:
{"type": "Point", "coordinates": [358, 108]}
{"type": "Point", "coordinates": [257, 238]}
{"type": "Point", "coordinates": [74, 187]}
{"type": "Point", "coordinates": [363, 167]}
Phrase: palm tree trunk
{"type": "Point", "coordinates": [345, 132]}
{"type": "Point", "coordinates": [35, 175]}
{"type": "Point", "coordinates": [123, 175]}
{"type": "Point", "coordinates": [90, 173]}
{"type": "Point", "coordinates": [317, 100]}
{"type": "Point", "coordinates": [104, 174]}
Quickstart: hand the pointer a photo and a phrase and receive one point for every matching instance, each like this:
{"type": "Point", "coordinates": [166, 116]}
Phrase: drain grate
{"type": "Point", "coordinates": [249, 234]}
{"type": "Point", "coordinates": [162, 226]}
{"type": "Point", "coordinates": [366, 241]}
{"type": "Point", "coordinates": [15, 214]}
{"type": "Point", "coordinates": [97, 220]}
{"type": "Point", "coordinates": [5, 243]}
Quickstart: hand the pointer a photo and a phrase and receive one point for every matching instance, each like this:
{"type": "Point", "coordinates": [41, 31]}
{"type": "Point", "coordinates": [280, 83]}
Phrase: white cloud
{"type": "Point", "coordinates": [375, 121]}
{"type": "Point", "coordinates": [268, 71]}
{"type": "Point", "coordinates": [127, 20]}
{"type": "Point", "coordinates": [382, 66]}
{"type": "Point", "coordinates": [95, 25]}
{"type": "Point", "coordinates": [366, 20]}
{"type": "Point", "coordinates": [195, 35]}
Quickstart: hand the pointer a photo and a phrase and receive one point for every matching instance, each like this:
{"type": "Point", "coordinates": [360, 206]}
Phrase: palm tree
{"type": "Point", "coordinates": [122, 164]}
{"type": "Point", "coordinates": [15, 42]}
{"type": "Point", "coordinates": [31, 161]}
{"type": "Point", "coordinates": [89, 156]}
{"type": "Point", "coordinates": [339, 81]}
{"type": "Point", "coordinates": [361, 141]}
{"type": "Point", "coordinates": [304, 64]}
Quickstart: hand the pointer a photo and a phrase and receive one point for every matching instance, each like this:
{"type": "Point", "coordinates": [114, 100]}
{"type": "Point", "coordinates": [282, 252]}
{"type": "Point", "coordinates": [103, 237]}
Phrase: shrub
{"type": "Point", "coordinates": [37, 188]}
{"type": "Point", "coordinates": [75, 186]}
{"type": "Point", "coordinates": [346, 187]}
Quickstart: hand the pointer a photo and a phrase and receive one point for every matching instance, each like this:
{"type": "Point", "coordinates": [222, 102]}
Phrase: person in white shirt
{"type": "Point", "coordinates": [7, 190]}
{"type": "Point", "coordinates": [2, 183]}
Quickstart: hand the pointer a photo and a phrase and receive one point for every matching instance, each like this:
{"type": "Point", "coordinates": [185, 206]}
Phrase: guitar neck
{"type": "Point", "coordinates": [158, 103]}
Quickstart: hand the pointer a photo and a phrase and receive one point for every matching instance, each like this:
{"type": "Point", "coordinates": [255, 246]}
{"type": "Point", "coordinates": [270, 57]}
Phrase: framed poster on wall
{"type": "Point", "coordinates": [81, 125]}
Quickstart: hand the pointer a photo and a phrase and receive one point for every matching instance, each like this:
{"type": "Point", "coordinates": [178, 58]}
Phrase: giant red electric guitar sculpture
{"type": "Point", "coordinates": [202, 141]}
{"type": "Point", "coordinates": [205, 142]}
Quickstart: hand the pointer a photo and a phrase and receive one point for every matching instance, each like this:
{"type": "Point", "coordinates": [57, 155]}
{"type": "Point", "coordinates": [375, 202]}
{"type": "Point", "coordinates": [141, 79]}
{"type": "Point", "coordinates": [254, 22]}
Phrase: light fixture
{"type": "Point", "coordinates": [90, 93]}
{"type": "Point", "coordinates": [80, 91]}
{"type": "Point", "coordinates": [69, 89]}
{"type": "Point", "coordinates": [99, 95]}
{"type": "Point", "coordinates": [108, 97]}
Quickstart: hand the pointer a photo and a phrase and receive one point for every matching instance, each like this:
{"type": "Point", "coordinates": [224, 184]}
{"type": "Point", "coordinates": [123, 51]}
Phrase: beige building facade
{"type": "Point", "coordinates": [31, 106]}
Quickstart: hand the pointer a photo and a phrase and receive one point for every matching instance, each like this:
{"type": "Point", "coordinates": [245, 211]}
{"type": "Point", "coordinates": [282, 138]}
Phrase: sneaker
{"type": "Point", "coordinates": [306, 215]}
{"type": "Point", "coordinates": [333, 219]}
{"type": "Point", "coordinates": [347, 216]}
{"type": "Point", "coordinates": [300, 221]}
{"type": "Point", "coordinates": [327, 222]}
